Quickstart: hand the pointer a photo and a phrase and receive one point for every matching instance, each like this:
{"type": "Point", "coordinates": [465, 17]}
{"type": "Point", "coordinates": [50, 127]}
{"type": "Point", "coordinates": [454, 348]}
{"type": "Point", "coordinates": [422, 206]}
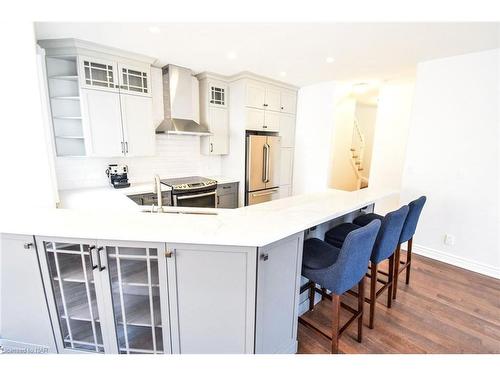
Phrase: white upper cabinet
{"type": "Point", "coordinates": [273, 99]}
{"type": "Point", "coordinates": [219, 140]}
{"type": "Point", "coordinates": [272, 121]}
{"type": "Point", "coordinates": [254, 119]}
{"type": "Point", "coordinates": [287, 130]}
{"type": "Point", "coordinates": [288, 101]}
{"type": "Point", "coordinates": [137, 121]}
{"type": "Point", "coordinates": [255, 95]}
{"type": "Point", "coordinates": [98, 74]}
{"type": "Point", "coordinates": [214, 114]}
{"type": "Point", "coordinates": [135, 79]}
{"type": "Point", "coordinates": [102, 123]}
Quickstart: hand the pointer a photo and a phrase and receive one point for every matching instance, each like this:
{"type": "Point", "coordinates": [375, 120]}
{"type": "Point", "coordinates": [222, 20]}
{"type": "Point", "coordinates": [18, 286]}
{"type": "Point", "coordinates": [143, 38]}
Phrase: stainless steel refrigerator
{"type": "Point", "coordinates": [262, 168]}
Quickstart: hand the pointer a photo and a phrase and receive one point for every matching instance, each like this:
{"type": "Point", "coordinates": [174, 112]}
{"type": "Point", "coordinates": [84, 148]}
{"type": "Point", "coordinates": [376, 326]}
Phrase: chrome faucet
{"type": "Point", "coordinates": [157, 191]}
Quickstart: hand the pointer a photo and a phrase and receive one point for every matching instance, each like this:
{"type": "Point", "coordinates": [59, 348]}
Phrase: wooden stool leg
{"type": "Point", "coordinates": [335, 323]}
{"type": "Point", "coordinates": [373, 293]}
{"type": "Point", "coordinates": [408, 260]}
{"type": "Point", "coordinates": [390, 279]}
{"type": "Point", "coordinates": [311, 295]}
{"type": "Point", "coordinates": [397, 258]}
{"type": "Point", "coordinates": [324, 291]}
{"type": "Point", "coordinates": [361, 303]}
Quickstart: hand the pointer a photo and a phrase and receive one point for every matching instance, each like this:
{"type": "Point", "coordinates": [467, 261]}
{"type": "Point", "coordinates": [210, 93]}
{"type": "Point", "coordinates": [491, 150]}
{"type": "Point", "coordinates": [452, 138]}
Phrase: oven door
{"type": "Point", "coordinates": [200, 199]}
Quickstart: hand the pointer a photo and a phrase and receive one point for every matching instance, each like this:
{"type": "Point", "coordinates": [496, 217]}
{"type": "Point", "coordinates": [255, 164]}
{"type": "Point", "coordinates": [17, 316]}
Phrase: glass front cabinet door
{"type": "Point", "coordinates": [98, 74]}
{"type": "Point", "coordinates": [134, 79]}
{"type": "Point", "coordinates": [106, 296]}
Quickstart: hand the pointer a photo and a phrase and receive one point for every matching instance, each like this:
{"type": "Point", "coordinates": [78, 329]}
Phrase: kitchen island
{"type": "Point", "coordinates": [201, 281]}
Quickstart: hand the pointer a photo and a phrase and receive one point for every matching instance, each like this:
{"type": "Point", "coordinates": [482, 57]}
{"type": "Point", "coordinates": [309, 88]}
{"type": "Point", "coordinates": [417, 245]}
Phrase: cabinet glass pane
{"type": "Point", "coordinates": [98, 74]}
{"type": "Point", "coordinates": [73, 287]}
{"type": "Point", "coordinates": [217, 95]}
{"type": "Point", "coordinates": [134, 80]}
{"type": "Point", "coordinates": [135, 288]}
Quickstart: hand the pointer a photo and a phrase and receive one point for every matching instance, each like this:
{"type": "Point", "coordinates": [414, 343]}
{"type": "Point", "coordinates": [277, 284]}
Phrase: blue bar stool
{"type": "Point", "coordinates": [383, 249]}
{"type": "Point", "coordinates": [407, 234]}
{"type": "Point", "coordinates": [338, 270]}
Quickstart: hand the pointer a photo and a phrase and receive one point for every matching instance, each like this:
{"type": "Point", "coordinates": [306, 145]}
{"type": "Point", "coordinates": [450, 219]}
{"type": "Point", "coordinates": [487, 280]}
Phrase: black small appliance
{"type": "Point", "coordinates": [117, 175]}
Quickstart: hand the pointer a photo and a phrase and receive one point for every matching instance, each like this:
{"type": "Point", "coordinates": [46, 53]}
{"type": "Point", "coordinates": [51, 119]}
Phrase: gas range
{"type": "Point", "coordinates": [190, 184]}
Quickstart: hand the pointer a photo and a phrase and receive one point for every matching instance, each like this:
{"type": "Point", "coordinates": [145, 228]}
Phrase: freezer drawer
{"type": "Point", "coordinates": [262, 196]}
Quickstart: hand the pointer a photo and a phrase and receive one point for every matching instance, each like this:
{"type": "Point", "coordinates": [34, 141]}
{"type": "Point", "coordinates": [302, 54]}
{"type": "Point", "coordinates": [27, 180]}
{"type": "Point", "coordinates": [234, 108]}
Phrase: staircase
{"type": "Point", "coordinates": [357, 150]}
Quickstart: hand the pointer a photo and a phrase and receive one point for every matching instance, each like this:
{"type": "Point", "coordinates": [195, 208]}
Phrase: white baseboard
{"type": "Point", "coordinates": [457, 261]}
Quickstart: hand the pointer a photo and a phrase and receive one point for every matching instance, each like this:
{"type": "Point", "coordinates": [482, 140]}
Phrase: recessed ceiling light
{"type": "Point", "coordinates": [231, 55]}
{"type": "Point", "coordinates": [154, 29]}
{"type": "Point", "coordinates": [283, 74]}
{"type": "Point", "coordinates": [330, 59]}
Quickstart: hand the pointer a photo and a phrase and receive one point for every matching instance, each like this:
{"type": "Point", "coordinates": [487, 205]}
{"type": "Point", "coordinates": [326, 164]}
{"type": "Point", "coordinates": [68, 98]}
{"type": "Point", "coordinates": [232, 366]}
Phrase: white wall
{"type": "Point", "coordinates": [313, 138]}
{"type": "Point", "coordinates": [393, 121]}
{"type": "Point", "coordinates": [453, 158]}
{"type": "Point", "coordinates": [177, 156]}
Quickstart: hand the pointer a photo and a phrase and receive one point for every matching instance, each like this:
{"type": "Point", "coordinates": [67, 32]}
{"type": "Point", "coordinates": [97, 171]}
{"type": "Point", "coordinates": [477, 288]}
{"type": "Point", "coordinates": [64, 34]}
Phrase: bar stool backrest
{"type": "Point", "coordinates": [389, 234]}
{"type": "Point", "coordinates": [411, 222]}
{"type": "Point", "coordinates": [352, 262]}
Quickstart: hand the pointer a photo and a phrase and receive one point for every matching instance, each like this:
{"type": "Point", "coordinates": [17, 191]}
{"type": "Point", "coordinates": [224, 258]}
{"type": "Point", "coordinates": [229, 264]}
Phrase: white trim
{"type": "Point", "coordinates": [458, 261]}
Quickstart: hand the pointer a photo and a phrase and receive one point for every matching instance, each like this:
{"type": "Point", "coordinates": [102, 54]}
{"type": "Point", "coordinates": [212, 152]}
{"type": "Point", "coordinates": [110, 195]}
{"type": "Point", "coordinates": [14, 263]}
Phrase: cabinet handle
{"type": "Point", "coordinates": [211, 147]}
{"type": "Point", "coordinates": [99, 258]}
{"type": "Point", "coordinates": [218, 200]}
{"type": "Point", "coordinates": [264, 257]}
{"type": "Point", "coordinates": [265, 105]}
{"type": "Point", "coordinates": [28, 245]}
{"type": "Point", "coordinates": [91, 248]}
{"type": "Point", "coordinates": [264, 126]}
{"type": "Point", "coordinates": [168, 253]}
{"type": "Point", "coordinates": [126, 147]}
{"type": "Point", "coordinates": [282, 107]}
{"type": "Point", "coordinates": [123, 147]}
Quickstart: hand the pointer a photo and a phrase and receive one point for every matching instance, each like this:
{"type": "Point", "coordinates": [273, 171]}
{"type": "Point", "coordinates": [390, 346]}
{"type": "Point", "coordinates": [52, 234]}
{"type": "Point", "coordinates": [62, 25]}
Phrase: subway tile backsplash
{"type": "Point", "coordinates": [176, 156]}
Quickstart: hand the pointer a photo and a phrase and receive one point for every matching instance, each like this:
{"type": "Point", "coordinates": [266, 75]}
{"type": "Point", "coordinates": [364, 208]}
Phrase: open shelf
{"type": "Point", "coordinates": [68, 117]}
{"type": "Point", "coordinates": [70, 136]}
{"type": "Point", "coordinates": [65, 98]}
{"type": "Point", "coordinates": [65, 78]}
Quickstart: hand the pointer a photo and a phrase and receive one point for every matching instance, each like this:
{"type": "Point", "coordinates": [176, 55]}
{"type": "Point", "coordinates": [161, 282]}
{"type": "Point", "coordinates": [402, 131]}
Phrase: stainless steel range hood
{"type": "Point", "coordinates": [180, 102]}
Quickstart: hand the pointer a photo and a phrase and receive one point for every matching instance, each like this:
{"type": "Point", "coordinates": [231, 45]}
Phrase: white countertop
{"type": "Point", "coordinates": [256, 225]}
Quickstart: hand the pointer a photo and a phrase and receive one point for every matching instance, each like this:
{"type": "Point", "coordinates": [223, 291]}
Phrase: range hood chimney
{"type": "Point", "coordinates": [180, 102]}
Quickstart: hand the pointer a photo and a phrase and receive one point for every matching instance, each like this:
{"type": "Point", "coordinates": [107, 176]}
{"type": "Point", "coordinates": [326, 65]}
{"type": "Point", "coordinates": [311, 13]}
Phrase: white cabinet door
{"type": "Point", "coordinates": [98, 74]}
{"type": "Point", "coordinates": [254, 119]}
{"type": "Point", "coordinates": [272, 121]}
{"type": "Point", "coordinates": [102, 120]}
{"type": "Point", "coordinates": [212, 296]}
{"type": "Point", "coordinates": [219, 127]}
{"type": "Point", "coordinates": [286, 167]}
{"type": "Point", "coordinates": [287, 130]}
{"type": "Point", "coordinates": [278, 285]}
{"type": "Point", "coordinates": [25, 320]}
{"type": "Point", "coordinates": [157, 96]}
{"type": "Point", "coordinates": [288, 101]}
{"type": "Point", "coordinates": [255, 95]}
{"type": "Point", "coordinates": [273, 99]}
{"type": "Point", "coordinates": [138, 130]}
{"type": "Point", "coordinates": [135, 79]}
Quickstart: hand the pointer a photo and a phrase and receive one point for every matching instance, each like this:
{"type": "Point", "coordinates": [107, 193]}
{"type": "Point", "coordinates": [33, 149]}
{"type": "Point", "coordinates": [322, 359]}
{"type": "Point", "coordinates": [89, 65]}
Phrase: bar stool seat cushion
{"type": "Point", "coordinates": [318, 254]}
{"type": "Point", "coordinates": [366, 219]}
{"type": "Point", "coordinates": [336, 236]}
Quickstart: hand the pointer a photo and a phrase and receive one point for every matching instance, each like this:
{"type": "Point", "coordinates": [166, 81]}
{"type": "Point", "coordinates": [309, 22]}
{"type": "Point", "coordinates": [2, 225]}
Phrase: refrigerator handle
{"type": "Point", "coordinates": [264, 163]}
{"type": "Point", "coordinates": [266, 160]}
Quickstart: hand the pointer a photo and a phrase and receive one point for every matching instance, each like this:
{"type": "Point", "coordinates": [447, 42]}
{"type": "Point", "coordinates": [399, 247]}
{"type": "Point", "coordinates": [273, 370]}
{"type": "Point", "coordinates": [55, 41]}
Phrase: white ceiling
{"type": "Point", "coordinates": [362, 51]}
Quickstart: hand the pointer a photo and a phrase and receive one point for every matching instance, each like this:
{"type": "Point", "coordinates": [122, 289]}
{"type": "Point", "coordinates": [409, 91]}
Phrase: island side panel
{"type": "Point", "coordinates": [278, 285]}
{"type": "Point", "coordinates": [212, 297]}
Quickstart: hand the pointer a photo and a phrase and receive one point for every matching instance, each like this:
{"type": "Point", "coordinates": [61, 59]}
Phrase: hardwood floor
{"type": "Point", "coordinates": [445, 309]}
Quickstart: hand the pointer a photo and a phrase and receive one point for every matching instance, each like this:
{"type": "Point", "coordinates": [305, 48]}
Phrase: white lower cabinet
{"type": "Point", "coordinates": [136, 297]}
{"type": "Point", "coordinates": [278, 283]}
{"type": "Point", "coordinates": [25, 325]}
{"type": "Point", "coordinates": [106, 296]}
{"type": "Point", "coordinates": [212, 294]}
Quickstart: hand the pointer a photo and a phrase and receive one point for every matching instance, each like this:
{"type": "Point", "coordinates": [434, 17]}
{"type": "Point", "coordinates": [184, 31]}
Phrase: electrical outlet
{"type": "Point", "coordinates": [449, 239]}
